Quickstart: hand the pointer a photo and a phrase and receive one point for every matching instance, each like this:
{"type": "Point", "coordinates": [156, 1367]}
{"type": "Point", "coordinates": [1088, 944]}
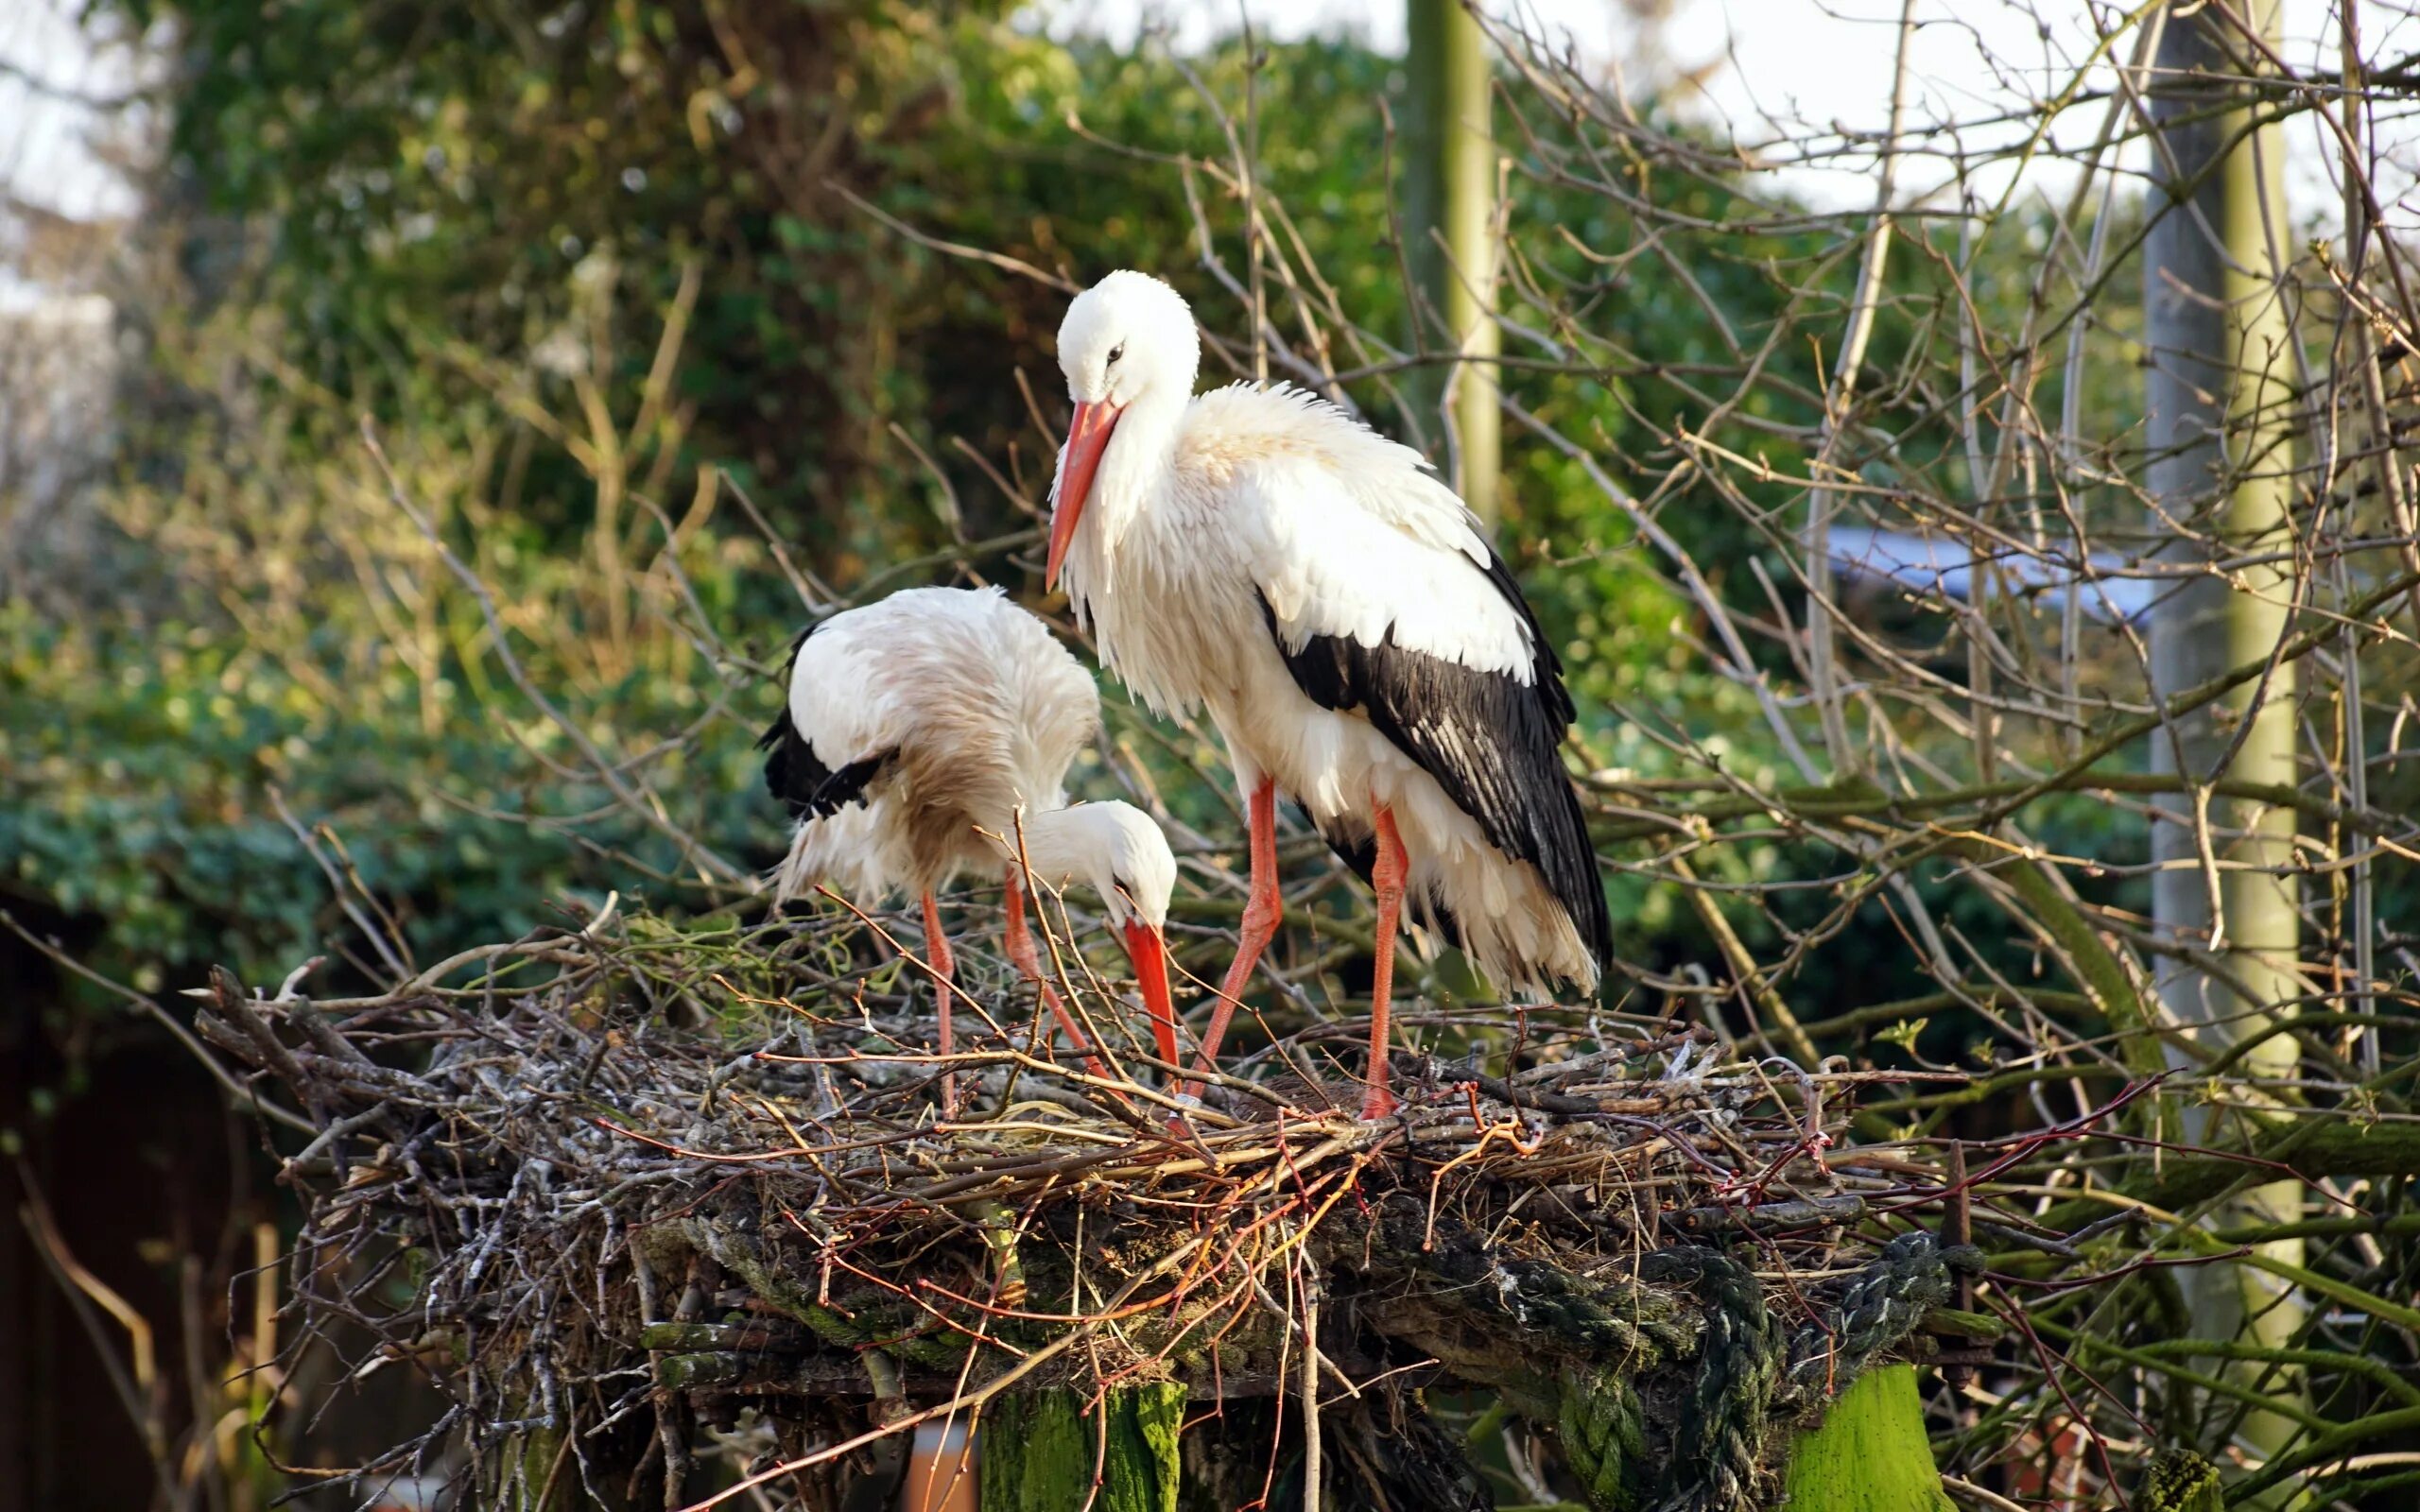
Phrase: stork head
{"type": "Point", "coordinates": [1119, 852]}
{"type": "Point", "coordinates": [1127, 344]}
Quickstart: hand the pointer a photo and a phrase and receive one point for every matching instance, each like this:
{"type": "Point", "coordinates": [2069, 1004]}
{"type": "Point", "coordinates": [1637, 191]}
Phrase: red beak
{"type": "Point", "coordinates": [1087, 439]}
{"type": "Point", "coordinates": [1148, 951]}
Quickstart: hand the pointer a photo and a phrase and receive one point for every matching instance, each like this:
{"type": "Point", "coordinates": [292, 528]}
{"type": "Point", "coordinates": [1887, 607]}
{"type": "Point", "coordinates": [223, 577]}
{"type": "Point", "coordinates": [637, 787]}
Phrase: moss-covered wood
{"type": "Point", "coordinates": [531, 1477]}
{"type": "Point", "coordinates": [1869, 1454]}
{"type": "Point", "coordinates": [1045, 1451]}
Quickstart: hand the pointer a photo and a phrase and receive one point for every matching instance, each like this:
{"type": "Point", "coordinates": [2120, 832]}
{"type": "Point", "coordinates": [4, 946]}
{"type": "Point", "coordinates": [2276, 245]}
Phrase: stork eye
{"type": "Point", "coordinates": [1116, 352]}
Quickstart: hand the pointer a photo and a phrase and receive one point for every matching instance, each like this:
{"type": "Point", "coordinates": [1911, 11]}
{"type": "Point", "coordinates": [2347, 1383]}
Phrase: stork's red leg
{"type": "Point", "coordinates": [1263, 910]}
{"type": "Point", "coordinates": [1028, 958]}
{"type": "Point", "coordinates": [1385, 878]}
{"type": "Point", "coordinates": [945, 965]}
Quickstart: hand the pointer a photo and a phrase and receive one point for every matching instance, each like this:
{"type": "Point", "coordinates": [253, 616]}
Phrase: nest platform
{"type": "Point", "coordinates": [658, 1206]}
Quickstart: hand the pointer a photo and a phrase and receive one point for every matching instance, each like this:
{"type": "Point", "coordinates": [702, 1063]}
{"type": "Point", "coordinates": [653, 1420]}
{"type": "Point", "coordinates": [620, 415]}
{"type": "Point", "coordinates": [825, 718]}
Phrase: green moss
{"type": "Point", "coordinates": [1604, 1437]}
{"type": "Point", "coordinates": [2183, 1481]}
{"type": "Point", "coordinates": [1039, 1452]}
{"type": "Point", "coordinates": [1871, 1454]}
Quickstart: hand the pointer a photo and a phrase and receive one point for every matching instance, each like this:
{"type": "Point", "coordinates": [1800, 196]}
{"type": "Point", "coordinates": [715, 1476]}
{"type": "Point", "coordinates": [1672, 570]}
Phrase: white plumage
{"type": "Point", "coordinates": [971, 710]}
{"type": "Point", "coordinates": [1260, 555]}
{"type": "Point", "coordinates": [925, 735]}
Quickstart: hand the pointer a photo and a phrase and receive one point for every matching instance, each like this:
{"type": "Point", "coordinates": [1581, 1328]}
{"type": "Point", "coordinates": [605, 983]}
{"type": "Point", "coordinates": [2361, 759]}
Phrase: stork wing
{"type": "Point", "coordinates": [825, 746]}
{"type": "Point", "coordinates": [1390, 605]}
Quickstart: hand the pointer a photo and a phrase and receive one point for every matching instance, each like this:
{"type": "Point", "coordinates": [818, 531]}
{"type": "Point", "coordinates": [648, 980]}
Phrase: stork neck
{"type": "Point", "coordinates": [1061, 846]}
{"type": "Point", "coordinates": [1135, 466]}
{"type": "Point", "coordinates": [1050, 848]}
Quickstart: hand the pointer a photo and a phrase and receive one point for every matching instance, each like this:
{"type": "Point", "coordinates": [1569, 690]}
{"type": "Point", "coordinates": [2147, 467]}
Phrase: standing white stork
{"type": "Point", "coordinates": [923, 735]}
{"type": "Point", "coordinates": [1261, 555]}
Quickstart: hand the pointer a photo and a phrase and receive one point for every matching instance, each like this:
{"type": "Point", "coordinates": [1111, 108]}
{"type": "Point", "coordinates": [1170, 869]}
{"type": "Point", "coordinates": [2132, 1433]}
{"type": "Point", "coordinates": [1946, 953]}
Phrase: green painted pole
{"type": "Point", "coordinates": [1449, 203]}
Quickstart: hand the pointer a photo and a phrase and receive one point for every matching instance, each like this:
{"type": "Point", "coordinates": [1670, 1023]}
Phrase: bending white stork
{"type": "Point", "coordinates": [1261, 555]}
{"type": "Point", "coordinates": [923, 736]}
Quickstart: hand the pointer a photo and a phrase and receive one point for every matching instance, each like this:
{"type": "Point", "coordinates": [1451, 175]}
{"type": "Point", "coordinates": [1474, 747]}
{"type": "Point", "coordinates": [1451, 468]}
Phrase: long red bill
{"type": "Point", "coordinates": [1087, 439]}
{"type": "Point", "coordinates": [1147, 949]}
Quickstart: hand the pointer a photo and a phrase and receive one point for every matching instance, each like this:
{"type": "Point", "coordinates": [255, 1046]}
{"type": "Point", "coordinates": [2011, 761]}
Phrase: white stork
{"type": "Point", "coordinates": [1261, 555]}
{"type": "Point", "coordinates": [924, 735]}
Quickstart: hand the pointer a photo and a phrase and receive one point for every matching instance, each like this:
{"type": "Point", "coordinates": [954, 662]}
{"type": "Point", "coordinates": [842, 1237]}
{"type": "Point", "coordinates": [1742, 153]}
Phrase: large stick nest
{"type": "Point", "coordinates": [639, 1183]}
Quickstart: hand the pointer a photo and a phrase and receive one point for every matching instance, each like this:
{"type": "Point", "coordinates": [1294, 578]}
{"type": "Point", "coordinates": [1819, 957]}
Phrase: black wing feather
{"type": "Point", "coordinates": [1491, 741]}
{"type": "Point", "coordinates": [795, 775]}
